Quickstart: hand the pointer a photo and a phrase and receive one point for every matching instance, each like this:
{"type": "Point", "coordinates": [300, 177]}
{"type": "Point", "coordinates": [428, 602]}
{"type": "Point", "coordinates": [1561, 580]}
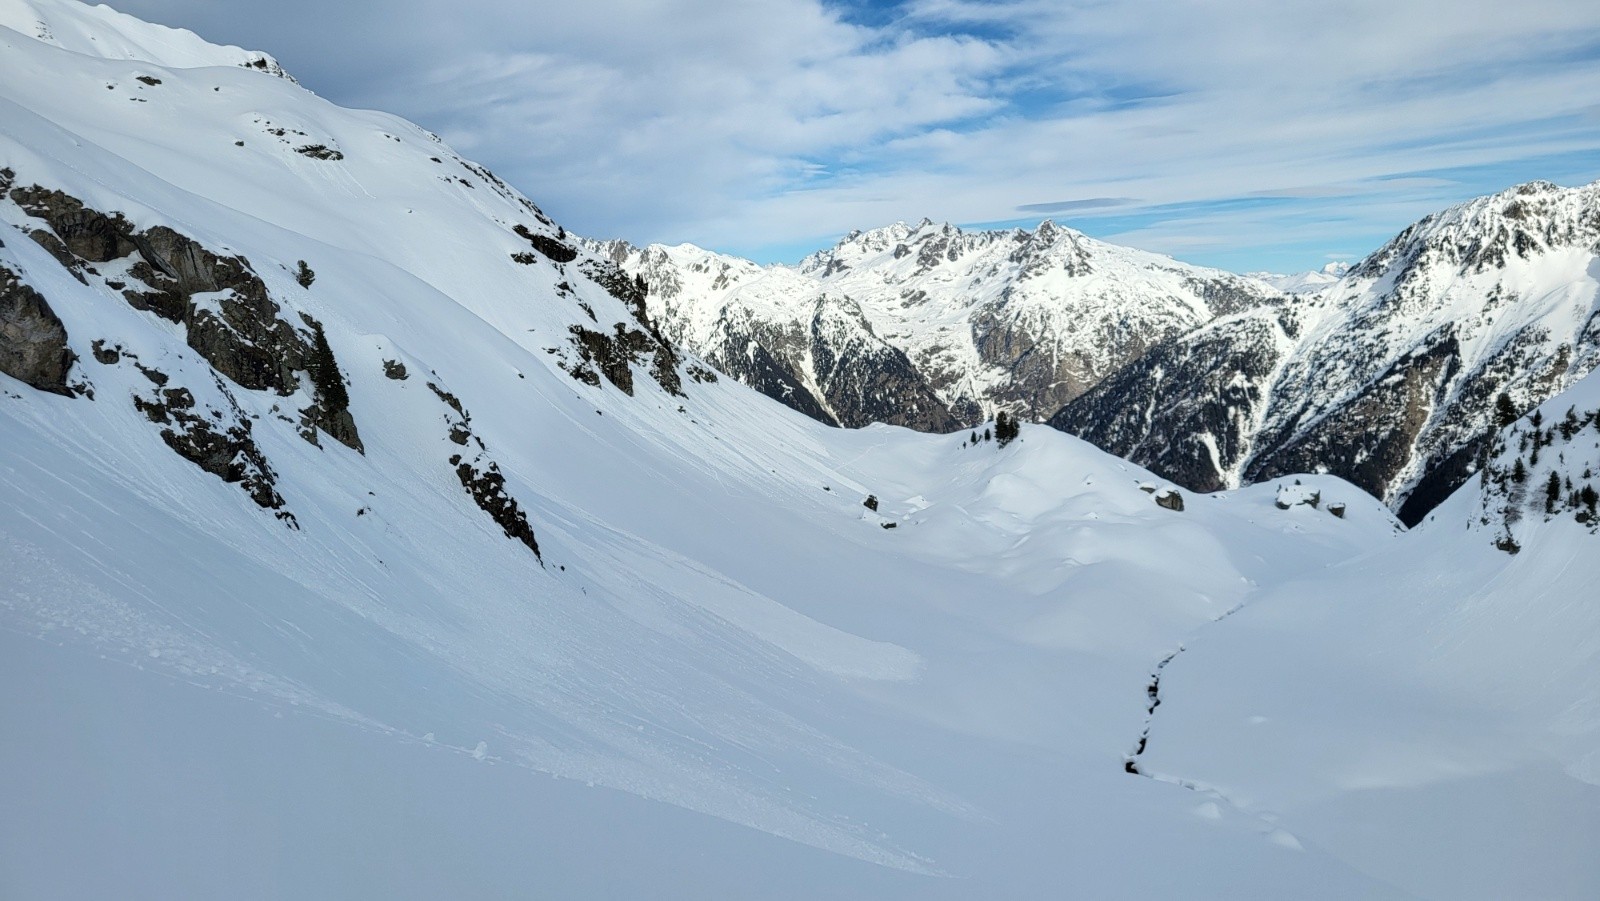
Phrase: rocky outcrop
{"type": "Point", "coordinates": [481, 476]}
{"type": "Point", "coordinates": [33, 341]}
{"type": "Point", "coordinates": [219, 442]}
{"type": "Point", "coordinates": [227, 313]}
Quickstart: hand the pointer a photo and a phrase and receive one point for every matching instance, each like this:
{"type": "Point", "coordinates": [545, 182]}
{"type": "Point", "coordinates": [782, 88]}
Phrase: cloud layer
{"type": "Point", "coordinates": [1246, 133]}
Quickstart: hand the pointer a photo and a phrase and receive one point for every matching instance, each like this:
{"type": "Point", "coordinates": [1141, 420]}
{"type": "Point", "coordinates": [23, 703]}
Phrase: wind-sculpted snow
{"type": "Point", "coordinates": [716, 671]}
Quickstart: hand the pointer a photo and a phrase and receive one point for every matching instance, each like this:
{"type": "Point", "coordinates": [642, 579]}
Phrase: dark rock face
{"type": "Point", "coordinates": [1185, 409]}
{"type": "Point", "coordinates": [547, 245]}
{"type": "Point", "coordinates": [864, 379]}
{"type": "Point", "coordinates": [241, 333]}
{"type": "Point", "coordinates": [1170, 499]}
{"type": "Point", "coordinates": [612, 355]}
{"type": "Point", "coordinates": [481, 476]}
{"type": "Point", "coordinates": [33, 341]}
{"type": "Point", "coordinates": [1369, 439]}
{"type": "Point", "coordinates": [487, 488]}
{"type": "Point", "coordinates": [82, 232]}
{"type": "Point", "coordinates": [749, 361]}
{"type": "Point", "coordinates": [615, 355]}
{"type": "Point", "coordinates": [212, 442]}
{"type": "Point", "coordinates": [320, 152]}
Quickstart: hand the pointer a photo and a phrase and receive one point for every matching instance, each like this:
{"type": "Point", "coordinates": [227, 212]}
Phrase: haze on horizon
{"type": "Point", "coordinates": [1249, 135]}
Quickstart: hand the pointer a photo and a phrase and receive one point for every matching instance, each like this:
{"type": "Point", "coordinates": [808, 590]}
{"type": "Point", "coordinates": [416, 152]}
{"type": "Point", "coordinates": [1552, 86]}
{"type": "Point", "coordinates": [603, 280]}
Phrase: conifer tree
{"type": "Point", "coordinates": [1504, 413]}
{"type": "Point", "coordinates": [324, 371]}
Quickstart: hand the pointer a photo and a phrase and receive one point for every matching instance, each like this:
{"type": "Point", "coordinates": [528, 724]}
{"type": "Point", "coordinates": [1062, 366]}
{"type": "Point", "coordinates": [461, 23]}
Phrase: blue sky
{"type": "Point", "coordinates": [1246, 134]}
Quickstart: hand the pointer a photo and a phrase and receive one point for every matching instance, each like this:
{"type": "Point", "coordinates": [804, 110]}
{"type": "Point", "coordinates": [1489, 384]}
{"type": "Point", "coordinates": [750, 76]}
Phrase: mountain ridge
{"type": "Point", "coordinates": [364, 535]}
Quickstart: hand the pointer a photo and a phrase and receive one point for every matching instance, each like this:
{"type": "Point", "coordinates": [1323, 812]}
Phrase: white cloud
{"type": "Point", "coordinates": [743, 124]}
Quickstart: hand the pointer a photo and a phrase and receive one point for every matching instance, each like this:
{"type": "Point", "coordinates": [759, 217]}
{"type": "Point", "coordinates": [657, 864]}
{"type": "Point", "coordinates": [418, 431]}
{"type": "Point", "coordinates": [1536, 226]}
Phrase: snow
{"type": "Point", "coordinates": [928, 289]}
{"type": "Point", "coordinates": [741, 686]}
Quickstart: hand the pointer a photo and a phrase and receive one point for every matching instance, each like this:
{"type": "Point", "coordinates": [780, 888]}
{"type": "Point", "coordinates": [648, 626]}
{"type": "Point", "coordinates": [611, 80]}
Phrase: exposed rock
{"type": "Point", "coordinates": [396, 370]}
{"type": "Point", "coordinates": [547, 245]}
{"type": "Point", "coordinates": [225, 449]}
{"type": "Point", "coordinates": [481, 476]}
{"type": "Point", "coordinates": [1170, 499]}
{"type": "Point", "coordinates": [1297, 495]}
{"type": "Point", "coordinates": [613, 355]}
{"type": "Point", "coordinates": [320, 152]}
{"type": "Point", "coordinates": [33, 340]}
{"type": "Point", "coordinates": [229, 317]}
{"type": "Point", "coordinates": [304, 274]}
{"type": "Point", "coordinates": [487, 488]}
{"type": "Point", "coordinates": [968, 322]}
{"type": "Point", "coordinates": [871, 503]}
{"type": "Point", "coordinates": [1184, 409]}
{"type": "Point", "coordinates": [84, 233]}
{"type": "Point", "coordinates": [864, 379]}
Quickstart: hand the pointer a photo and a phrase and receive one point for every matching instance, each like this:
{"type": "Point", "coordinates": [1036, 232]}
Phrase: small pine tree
{"type": "Point", "coordinates": [1006, 428]}
{"type": "Point", "coordinates": [974, 437]}
{"type": "Point", "coordinates": [1589, 499]}
{"type": "Point", "coordinates": [1504, 412]}
{"type": "Point", "coordinates": [324, 371]}
{"type": "Point", "coordinates": [988, 435]}
{"type": "Point", "coordinates": [1552, 493]}
{"type": "Point", "coordinates": [1519, 473]}
{"type": "Point", "coordinates": [304, 275]}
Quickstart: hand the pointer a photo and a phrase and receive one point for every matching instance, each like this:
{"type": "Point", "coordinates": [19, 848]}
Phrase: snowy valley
{"type": "Point", "coordinates": [365, 534]}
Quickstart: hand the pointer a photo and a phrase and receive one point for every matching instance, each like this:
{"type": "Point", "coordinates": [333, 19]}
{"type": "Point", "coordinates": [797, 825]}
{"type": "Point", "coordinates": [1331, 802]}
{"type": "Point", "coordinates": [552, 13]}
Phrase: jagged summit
{"type": "Point", "coordinates": [1521, 222]}
{"type": "Point", "coordinates": [1387, 376]}
{"type": "Point", "coordinates": [983, 320]}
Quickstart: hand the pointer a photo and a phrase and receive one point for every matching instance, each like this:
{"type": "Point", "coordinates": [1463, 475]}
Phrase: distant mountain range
{"type": "Point", "coordinates": [1383, 372]}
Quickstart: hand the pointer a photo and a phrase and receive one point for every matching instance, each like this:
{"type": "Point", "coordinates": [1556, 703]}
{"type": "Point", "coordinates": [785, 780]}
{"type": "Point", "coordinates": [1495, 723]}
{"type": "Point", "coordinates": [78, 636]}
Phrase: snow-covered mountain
{"type": "Point", "coordinates": [1381, 373]}
{"type": "Point", "coordinates": [947, 326]}
{"type": "Point", "coordinates": [1388, 378]}
{"type": "Point", "coordinates": [1309, 282]}
{"type": "Point", "coordinates": [363, 536]}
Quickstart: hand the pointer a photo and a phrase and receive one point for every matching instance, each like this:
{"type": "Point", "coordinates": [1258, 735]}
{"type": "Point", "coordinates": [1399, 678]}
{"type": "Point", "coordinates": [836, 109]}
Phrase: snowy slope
{"type": "Point", "coordinates": [281, 621]}
{"type": "Point", "coordinates": [1442, 673]}
{"type": "Point", "coordinates": [989, 320]}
